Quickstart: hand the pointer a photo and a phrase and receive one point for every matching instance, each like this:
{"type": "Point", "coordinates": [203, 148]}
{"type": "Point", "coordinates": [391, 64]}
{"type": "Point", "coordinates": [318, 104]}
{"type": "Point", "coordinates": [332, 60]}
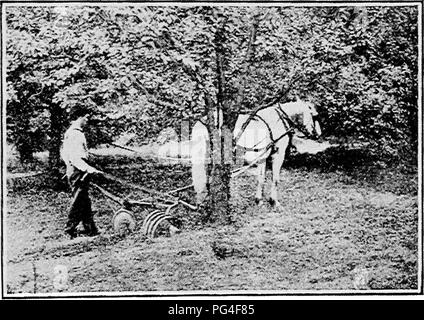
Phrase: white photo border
{"type": "Point", "coordinates": [225, 294]}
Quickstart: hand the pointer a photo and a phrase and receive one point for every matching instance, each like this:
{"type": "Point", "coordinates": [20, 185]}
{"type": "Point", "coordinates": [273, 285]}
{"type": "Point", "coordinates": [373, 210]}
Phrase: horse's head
{"type": "Point", "coordinates": [310, 121]}
{"type": "Point", "coordinates": [303, 117]}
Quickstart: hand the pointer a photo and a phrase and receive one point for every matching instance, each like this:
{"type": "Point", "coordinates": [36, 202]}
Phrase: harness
{"type": "Point", "coordinates": [285, 119]}
{"type": "Point", "coordinates": [293, 125]}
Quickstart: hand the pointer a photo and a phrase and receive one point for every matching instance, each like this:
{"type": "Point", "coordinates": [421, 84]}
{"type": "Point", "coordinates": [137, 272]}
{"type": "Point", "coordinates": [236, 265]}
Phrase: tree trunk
{"type": "Point", "coordinates": [24, 144]}
{"type": "Point", "coordinates": [219, 172]}
{"type": "Point", "coordinates": [218, 209]}
{"type": "Point", "coordinates": [25, 149]}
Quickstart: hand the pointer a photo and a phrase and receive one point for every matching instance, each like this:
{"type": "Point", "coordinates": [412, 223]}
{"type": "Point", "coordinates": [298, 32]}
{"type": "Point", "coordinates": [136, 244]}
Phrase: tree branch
{"type": "Point", "coordinates": [278, 96]}
{"type": "Point", "coordinates": [246, 64]}
{"type": "Point", "coordinates": [36, 94]}
{"type": "Point", "coordinates": [150, 97]}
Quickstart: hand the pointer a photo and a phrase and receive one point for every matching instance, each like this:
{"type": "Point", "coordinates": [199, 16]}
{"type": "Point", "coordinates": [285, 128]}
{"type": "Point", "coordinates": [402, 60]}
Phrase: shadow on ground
{"type": "Point", "coordinates": [362, 166]}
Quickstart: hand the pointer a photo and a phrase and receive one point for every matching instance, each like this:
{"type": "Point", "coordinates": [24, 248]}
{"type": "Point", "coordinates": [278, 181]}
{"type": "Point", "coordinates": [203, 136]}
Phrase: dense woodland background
{"type": "Point", "coordinates": [143, 69]}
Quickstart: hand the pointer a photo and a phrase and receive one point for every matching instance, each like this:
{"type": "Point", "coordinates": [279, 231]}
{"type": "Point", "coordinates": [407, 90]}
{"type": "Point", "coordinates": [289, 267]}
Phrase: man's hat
{"type": "Point", "coordinates": [78, 111]}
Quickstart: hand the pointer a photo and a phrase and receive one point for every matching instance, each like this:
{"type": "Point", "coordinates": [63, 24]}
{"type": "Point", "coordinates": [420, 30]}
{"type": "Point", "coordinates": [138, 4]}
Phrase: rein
{"type": "Point", "coordinates": [284, 117]}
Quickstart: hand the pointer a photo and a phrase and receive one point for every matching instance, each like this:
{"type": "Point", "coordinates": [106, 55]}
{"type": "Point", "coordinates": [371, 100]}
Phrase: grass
{"type": "Point", "coordinates": [343, 214]}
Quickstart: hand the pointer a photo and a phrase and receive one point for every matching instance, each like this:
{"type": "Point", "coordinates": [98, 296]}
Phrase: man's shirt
{"type": "Point", "coordinates": [74, 150]}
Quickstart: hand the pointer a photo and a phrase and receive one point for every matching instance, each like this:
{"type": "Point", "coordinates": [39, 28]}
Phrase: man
{"type": "Point", "coordinates": [75, 154]}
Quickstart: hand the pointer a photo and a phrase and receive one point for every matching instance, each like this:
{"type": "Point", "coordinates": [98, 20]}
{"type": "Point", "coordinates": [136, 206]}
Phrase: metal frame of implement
{"type": "Point", "coordinates": [123, 220]}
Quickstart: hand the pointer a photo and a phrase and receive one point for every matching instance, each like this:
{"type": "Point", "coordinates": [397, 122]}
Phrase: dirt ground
{"type": "Point", "coordinates": [343, 225]}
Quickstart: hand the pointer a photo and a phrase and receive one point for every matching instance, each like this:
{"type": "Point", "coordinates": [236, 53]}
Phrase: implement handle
{"type": "Point", "coordinates": [135, 186]}
{"type": "Point", "coordinates": [108, 194]}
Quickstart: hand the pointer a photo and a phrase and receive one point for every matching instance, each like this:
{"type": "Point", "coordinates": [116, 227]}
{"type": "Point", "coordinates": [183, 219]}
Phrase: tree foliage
{"type": "Point", "coordinates": [147, 68]}
{"type": "Point", "coordinates": [364, 73]}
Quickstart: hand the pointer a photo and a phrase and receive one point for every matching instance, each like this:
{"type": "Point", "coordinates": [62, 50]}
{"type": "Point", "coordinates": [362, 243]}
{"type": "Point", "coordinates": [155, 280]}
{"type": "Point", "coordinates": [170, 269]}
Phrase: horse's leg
{"type": "Point", "coordinates": [277, 163]}
{"type": "Point", "coordinates": [260, 175]}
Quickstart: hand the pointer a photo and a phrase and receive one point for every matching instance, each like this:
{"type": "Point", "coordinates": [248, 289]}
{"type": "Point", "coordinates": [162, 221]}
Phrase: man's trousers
{"type": "Point", "coordinates": [80, 209]}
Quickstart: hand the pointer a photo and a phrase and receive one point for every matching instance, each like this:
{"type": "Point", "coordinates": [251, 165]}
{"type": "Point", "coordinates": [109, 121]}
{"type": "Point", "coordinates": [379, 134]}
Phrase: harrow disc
{"type": "Point", "coordinates": [152, 221]}
{"type": "Point", "coordinates": [123, 222]}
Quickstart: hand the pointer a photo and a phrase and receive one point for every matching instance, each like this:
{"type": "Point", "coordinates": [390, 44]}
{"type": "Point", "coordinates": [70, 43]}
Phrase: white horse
{"type": "Point", "coordinates": [267, 134]}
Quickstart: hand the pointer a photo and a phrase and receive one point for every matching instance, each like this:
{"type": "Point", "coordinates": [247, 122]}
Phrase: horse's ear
{"type": "Point", "coordinates": [313, 109]}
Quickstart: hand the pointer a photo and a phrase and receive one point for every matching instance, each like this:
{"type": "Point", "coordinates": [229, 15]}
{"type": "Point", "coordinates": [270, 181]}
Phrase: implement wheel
{"type": "Point", "coordinates": [123, 222]}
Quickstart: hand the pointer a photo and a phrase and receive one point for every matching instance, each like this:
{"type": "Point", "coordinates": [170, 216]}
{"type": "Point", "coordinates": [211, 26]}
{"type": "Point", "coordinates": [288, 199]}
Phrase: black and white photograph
{"type": "Point", "coordinates": [211, 149]}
